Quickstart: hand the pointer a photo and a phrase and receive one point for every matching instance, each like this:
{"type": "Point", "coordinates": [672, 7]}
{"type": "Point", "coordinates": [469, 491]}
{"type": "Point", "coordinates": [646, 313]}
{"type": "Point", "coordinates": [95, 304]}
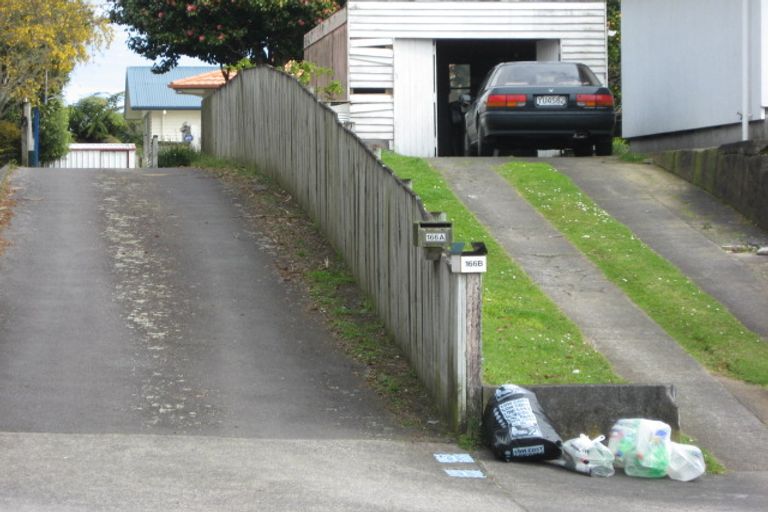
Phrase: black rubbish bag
{"type": "Point", "coordinates": [516, 428]}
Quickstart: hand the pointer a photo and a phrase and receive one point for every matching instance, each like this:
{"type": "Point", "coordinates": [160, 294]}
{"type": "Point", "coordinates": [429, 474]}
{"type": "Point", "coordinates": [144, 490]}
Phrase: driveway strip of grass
{"type": "Point", "coordinates": [700, 324]}
{"type": "Point", "coordinates": [526, 338]}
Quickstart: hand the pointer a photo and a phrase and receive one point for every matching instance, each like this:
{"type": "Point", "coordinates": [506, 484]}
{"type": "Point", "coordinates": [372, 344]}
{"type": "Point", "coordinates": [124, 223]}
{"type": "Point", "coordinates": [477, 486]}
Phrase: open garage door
{"type": "Point", "coordinates": [461, 66]}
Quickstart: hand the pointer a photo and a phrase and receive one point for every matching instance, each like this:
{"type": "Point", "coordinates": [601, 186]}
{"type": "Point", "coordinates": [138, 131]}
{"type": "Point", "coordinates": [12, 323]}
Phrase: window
{"type": "Point", "coordinates": [460, 81]}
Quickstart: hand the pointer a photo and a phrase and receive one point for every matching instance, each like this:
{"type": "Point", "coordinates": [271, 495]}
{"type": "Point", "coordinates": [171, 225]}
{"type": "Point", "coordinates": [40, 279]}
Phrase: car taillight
{"type": "Point", "coordinates": [594, 100]}
{"type": "Point", "coordinates": [505, 101]}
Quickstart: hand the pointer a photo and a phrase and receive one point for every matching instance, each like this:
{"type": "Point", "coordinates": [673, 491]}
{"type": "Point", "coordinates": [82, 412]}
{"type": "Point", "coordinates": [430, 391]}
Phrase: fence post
{"type": "Point", "coordinates": [27, 140]}
{"type": "Point", "coordinates": [154, 151]}
{"type": "Point", "coordinates": [468, 269]}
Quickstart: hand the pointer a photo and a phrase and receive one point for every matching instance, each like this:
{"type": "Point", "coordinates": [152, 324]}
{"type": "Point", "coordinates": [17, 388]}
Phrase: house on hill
{"type": "Point", "coordinates": [403, 64]}
{"type": "Point", "coordinates": [169, 116]}
{"type": "Point", "coordinates": [690, 69]}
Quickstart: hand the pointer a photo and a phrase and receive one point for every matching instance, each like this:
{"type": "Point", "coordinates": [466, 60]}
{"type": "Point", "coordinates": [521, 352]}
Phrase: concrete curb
{"type": "Point", "coordinates": [594, 408]}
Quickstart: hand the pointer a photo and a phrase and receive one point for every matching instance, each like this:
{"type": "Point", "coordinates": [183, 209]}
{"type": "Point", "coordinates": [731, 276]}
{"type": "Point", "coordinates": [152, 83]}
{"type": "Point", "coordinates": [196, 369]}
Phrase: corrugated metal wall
{"type": "Point", "coordinates": [97, 156]}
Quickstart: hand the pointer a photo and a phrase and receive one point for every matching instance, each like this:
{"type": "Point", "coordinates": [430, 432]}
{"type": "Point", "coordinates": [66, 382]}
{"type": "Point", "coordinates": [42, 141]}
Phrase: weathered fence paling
{"type": "Point", "coordinates": [266, 118]}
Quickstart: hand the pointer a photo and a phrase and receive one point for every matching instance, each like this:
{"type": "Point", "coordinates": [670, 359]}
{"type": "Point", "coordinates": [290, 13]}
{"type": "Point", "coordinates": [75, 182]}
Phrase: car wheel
{"type": "Point", "coordinates": [468, 149]}
{"type": "Point", "coordinates": [604, 146]}
{"type": "Point", "coordinates": [484, 148]}
{"type": "Point", "coordinates": [582, 150]}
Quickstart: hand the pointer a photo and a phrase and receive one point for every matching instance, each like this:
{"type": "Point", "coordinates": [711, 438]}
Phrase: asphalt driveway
{"type": "Point", "coordinates": [151, 358]}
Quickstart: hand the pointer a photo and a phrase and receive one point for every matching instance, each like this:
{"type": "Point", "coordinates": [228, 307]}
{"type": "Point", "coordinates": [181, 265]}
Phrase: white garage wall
{"type": "Point", "coordinates": [576, 30]}
{"type": "Point", "coordinates": [415, 126]}
{"type": "Point", "coordinates": [681, 64]}
{"type": "Point", "coordinates": [97, 156]}
{"type": "Point", "coordinates": [580, 26]}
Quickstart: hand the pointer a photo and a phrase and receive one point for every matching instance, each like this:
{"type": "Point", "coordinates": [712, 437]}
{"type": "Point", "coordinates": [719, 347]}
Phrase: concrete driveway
{"type": "Point", "coordinates": [639, 350]}
{"type": "Point", "coordinates": [152, 359]}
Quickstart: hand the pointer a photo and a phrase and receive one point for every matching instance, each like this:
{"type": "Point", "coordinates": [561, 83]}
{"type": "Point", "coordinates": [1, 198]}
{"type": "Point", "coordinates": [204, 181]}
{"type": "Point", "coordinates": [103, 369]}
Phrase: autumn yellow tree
{"type": "Point", "coordinates": [39, 37]}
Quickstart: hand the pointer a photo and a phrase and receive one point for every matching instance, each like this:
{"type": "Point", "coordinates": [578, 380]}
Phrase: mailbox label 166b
{"type": "Point", "coordinates": [436, 237]}
{"type": "Point", "coordinates": [473, 264]}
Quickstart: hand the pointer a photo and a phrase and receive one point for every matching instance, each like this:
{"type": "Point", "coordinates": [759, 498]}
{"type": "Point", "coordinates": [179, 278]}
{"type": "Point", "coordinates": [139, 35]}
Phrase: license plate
{"type": "Point", "coordinates": [551, 101]}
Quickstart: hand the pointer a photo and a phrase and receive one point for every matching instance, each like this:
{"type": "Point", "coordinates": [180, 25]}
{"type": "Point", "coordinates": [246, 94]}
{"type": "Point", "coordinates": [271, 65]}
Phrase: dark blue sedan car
{"type": "Point", "coordinates": [525, 106]}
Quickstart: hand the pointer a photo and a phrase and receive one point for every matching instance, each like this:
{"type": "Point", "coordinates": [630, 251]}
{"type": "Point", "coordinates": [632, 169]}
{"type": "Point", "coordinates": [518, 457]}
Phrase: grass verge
{"type": "Point", "coordinates": [309, 263]}
{"type": "Point", "coordinates": [700, 324]}
{"type": "Point", "coordinates": [526, 338]}
{"type": "Point", "coordinates": [622, 150]}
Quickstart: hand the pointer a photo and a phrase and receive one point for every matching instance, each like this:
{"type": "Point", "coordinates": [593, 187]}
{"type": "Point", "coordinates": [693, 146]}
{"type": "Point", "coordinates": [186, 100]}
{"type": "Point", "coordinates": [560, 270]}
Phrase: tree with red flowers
{"type": "Point", "coordinates": [220, 32]}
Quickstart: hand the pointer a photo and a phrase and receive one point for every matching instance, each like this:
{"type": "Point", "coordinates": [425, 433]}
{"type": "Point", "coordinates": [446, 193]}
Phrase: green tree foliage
{"type": "Point", "coordinates": [614, 48]}
{"type": "Point", "coordinates": [40, 38]}
{"type": "Point", "coordinates": [219, 31]}
{"type": "Point", "coordinates": [54, 131]}
{"type": "Point", "coordinates": [97, 119]}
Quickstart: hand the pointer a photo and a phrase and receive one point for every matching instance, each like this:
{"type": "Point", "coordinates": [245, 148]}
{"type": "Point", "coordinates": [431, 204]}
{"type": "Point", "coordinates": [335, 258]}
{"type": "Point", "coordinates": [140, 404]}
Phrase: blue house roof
{"type": "Point", "coordinates": [145, 90]}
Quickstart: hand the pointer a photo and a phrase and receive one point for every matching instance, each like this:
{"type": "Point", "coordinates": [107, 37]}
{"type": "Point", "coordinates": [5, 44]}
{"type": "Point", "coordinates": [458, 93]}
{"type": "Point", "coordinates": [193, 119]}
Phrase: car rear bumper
{"type": "Point", "coordinates": [561, 129]}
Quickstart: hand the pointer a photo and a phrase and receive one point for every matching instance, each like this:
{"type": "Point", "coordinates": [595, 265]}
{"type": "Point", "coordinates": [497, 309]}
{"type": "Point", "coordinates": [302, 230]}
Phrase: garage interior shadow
{"type": "Point", "coordinates": [461, 66]}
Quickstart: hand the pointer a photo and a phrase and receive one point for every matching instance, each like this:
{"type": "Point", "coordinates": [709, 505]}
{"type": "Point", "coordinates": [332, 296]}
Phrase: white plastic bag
{"type": "Point", "coordinates": [588, 456]}
{"type": "Point", "coordinates": [686, 462]}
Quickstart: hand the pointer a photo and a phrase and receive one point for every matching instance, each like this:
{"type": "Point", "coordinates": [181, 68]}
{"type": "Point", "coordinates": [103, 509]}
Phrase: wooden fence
{"type": "Point", "coordinates": [265, 117]}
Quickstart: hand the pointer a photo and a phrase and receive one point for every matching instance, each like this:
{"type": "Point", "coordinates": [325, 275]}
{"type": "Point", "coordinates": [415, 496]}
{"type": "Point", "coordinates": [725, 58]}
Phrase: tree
{"type": "Point", "coordinates": [54, 131]}
{"type": "Point", "coordinates": [614, 48]}
{"type": "Point", "coordinates": [97, 119]}
{"type": "Point", "coordinates": [220, 32]}
{"type": "Point", "coordinates": [40, 38]}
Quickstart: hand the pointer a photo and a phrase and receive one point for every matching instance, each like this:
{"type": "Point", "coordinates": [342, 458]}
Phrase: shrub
{"type": "Point", "coordinates": [176, 155]}
{"type": "Point", "coordinates": [54, 131]}
{"type": "Point", "coordinates": [10, 142]}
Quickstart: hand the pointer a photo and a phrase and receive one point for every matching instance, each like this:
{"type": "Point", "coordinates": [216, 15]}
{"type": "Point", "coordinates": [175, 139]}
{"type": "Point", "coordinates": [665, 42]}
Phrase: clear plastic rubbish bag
{"type": "Point", "coordinates": [686, 462]}
{"type": "Point", "coordinates": [641, 447]}
{"type": "Point", "coordinates": [588, 456]}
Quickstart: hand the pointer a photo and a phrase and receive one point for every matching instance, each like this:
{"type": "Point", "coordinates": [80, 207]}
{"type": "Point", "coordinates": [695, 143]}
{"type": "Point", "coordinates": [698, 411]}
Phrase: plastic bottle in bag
{"type": "Point", "coordinates": [623, 440]}
{"type": "Point", "coordinates": [641, 446]}
{"type": "Point", "coordinates": [686, 462]}
{"type": "Point", "coordinates": [588, 456]}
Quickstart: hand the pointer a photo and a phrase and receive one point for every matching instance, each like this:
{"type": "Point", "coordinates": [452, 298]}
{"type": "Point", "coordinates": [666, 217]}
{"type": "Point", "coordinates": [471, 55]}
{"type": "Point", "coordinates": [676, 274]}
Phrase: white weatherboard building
{"type": "Point", "coordinates": [683, 72]}
{"type": "Point", "coordinates": [403, 64]}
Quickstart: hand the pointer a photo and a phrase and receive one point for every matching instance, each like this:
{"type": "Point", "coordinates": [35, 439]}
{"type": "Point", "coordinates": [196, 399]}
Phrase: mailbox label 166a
{"type": "Point", "coordinates": [436, 237]}
{"type": "Point", "coordinates": [473, 264]}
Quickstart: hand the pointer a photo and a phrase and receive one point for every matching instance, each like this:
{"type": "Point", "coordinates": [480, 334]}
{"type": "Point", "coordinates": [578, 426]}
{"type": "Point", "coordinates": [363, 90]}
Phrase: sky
{"type": "Point", "coordinates": [105, 72]}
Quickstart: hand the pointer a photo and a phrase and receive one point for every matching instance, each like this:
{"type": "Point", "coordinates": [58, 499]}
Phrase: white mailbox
{"type": "Point", "coordinates": [469, 262]}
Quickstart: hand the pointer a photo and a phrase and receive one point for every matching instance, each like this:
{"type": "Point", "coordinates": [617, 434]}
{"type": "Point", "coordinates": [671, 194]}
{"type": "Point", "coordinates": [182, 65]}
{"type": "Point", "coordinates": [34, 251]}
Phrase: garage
{"type": "Point", "coordinates": [403, 65]}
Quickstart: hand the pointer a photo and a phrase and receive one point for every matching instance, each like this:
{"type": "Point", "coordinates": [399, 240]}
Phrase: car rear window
{"type": "Point", "coordinates": [545, 75]}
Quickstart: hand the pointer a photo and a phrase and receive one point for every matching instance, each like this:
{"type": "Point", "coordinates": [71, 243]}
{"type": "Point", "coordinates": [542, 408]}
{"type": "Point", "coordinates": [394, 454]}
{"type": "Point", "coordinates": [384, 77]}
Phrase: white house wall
{"type": "Point", "coordinates": [681, 65]}
{"type": "Point", "coordinates": [167, 126]}
{"type": "Point", "coordinates": [576, 31]}
{"type": "Point", "coordinates": [764, 53]}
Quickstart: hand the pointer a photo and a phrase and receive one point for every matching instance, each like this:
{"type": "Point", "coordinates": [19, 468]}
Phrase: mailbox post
{"type": "Point", "coordinates": [468, 267]}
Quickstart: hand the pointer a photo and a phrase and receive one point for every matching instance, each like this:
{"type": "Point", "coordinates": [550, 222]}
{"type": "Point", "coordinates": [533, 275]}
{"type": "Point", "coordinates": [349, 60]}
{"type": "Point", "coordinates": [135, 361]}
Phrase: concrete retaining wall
{"type": "Point", "coordinates": [735, 173]}
{"type": "Point", "coordinates": [593, 408]}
